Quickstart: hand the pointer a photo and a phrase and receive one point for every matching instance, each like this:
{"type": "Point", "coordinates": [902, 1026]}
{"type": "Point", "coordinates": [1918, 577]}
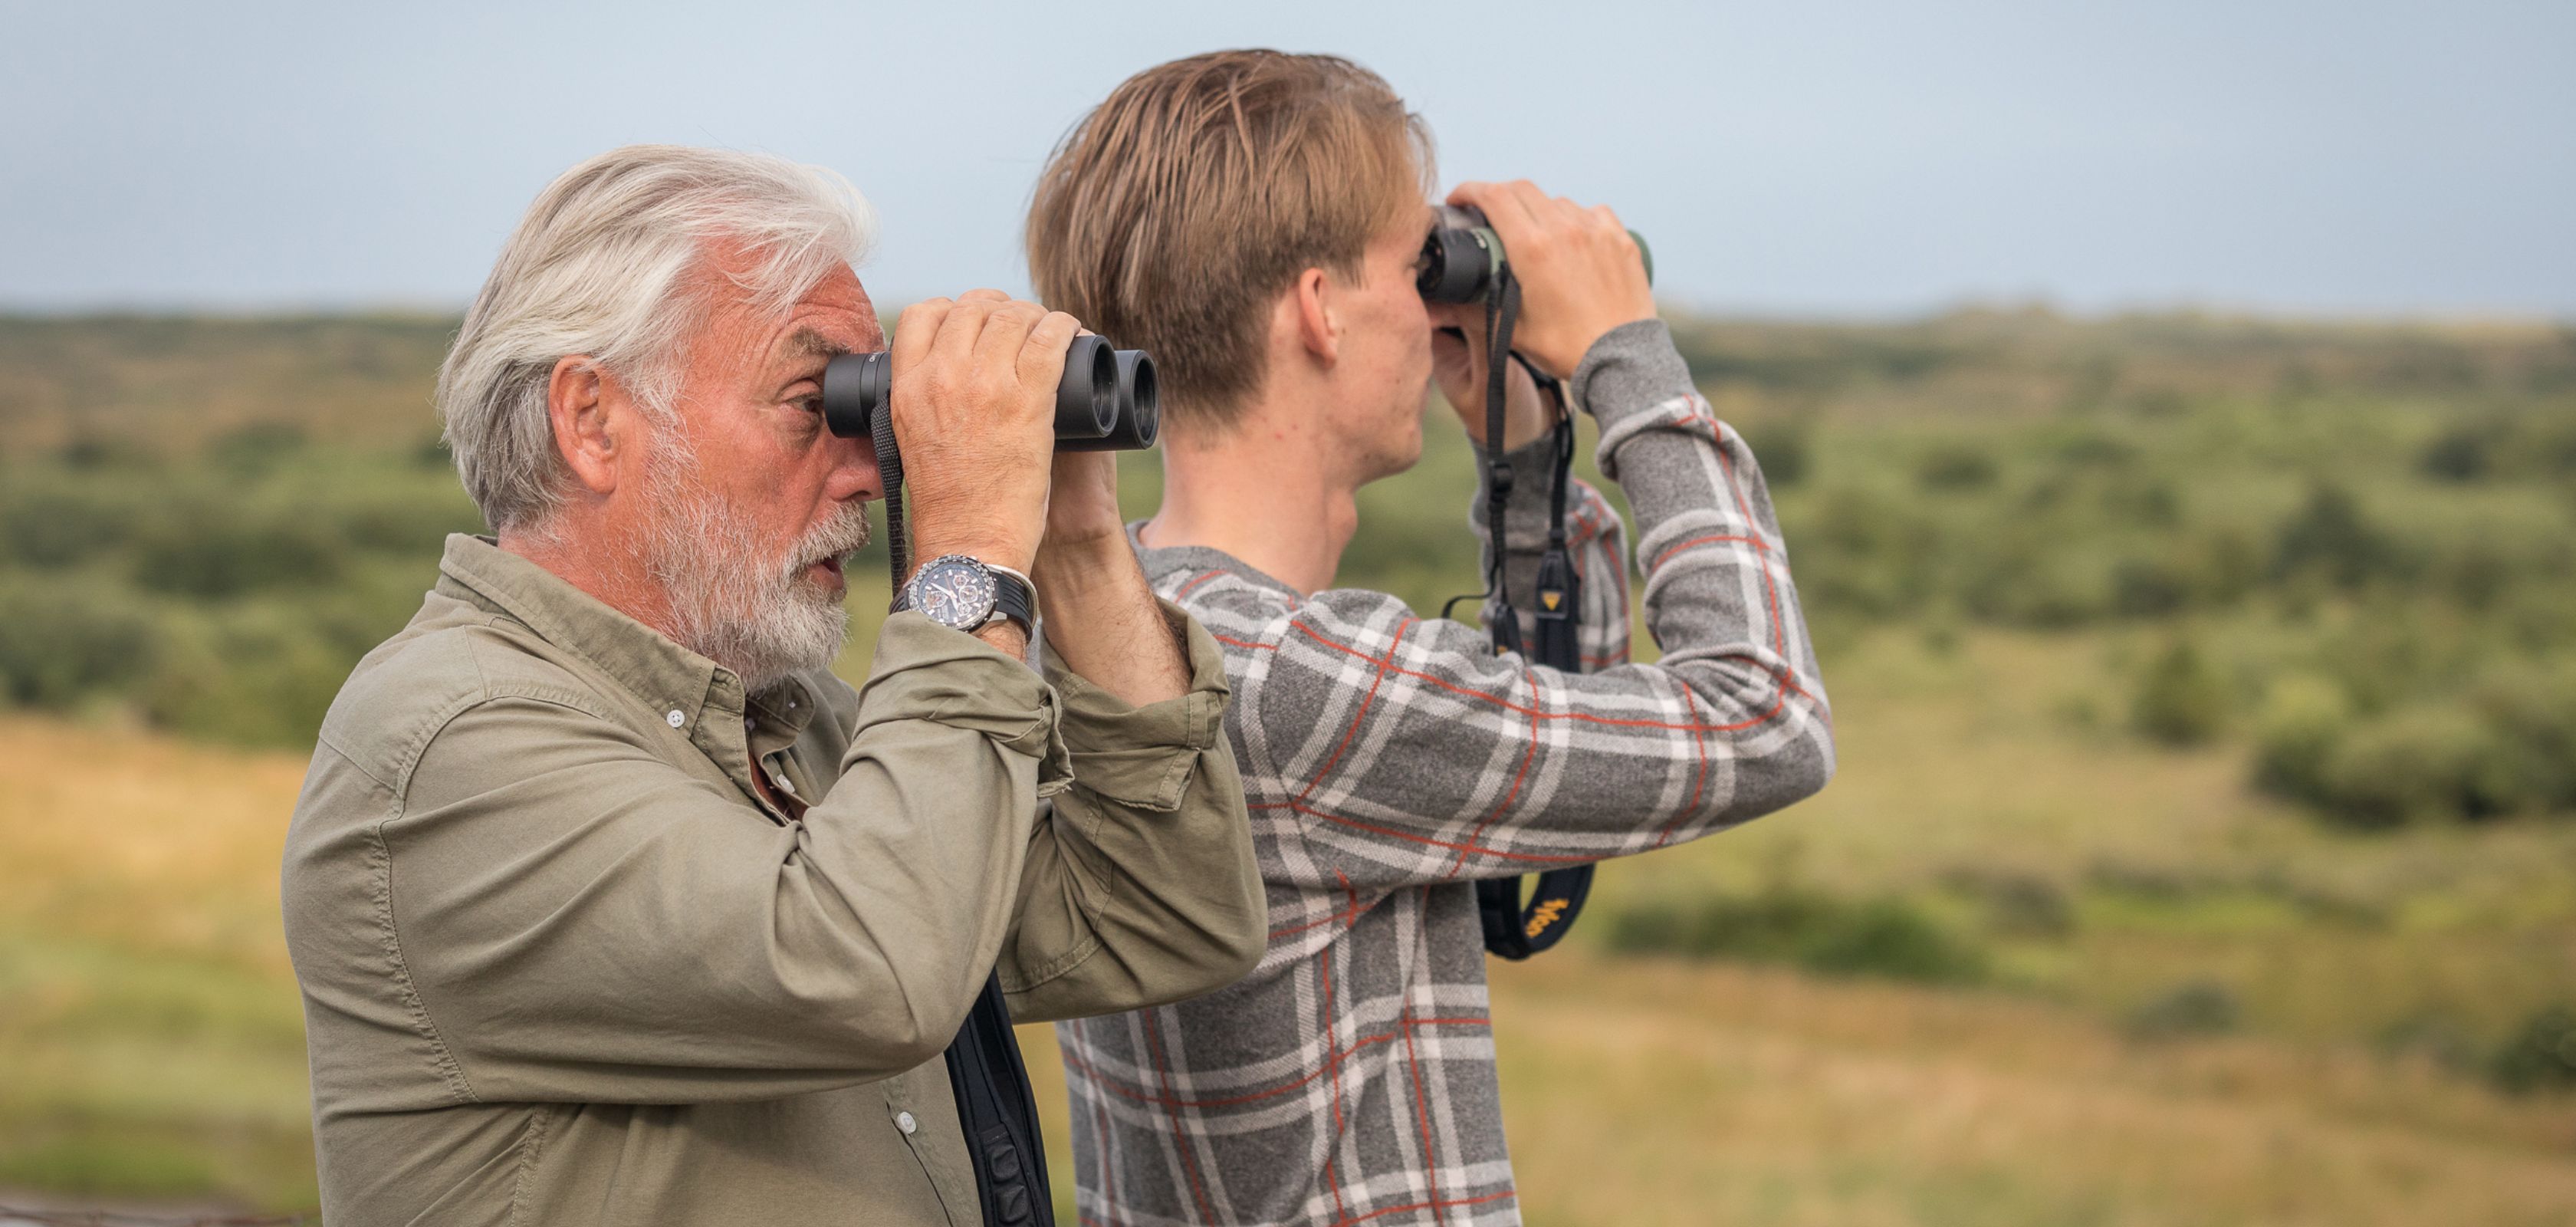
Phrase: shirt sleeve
{"type": "Point", "coordinates": [594, 924]}
{"type": "Point", "coordinates": [1387, 750]}
{"type": "Point", "coordinates": [1140, 886]}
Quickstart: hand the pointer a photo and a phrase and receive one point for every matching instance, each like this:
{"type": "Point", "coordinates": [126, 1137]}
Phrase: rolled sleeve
{"type": "Point", "coordinates": [1145, 756]}
{"type": "Point", "coordinates": [1140, 886]}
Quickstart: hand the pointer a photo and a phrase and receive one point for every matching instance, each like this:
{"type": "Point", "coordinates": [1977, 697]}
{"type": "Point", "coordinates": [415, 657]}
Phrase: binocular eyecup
{"type": "Point", "coordinates": [1107, 400]}
{"type": "Point", "coordinates": [1462, 254]}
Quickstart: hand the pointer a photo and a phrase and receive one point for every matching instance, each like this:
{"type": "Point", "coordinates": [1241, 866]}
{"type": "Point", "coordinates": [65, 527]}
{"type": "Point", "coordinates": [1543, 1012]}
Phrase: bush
{"type": "Point", "coordinates": [1880, 937]}
{"type": "Point", "coordinates": [211, 551]}
{"type": "Point", "coordinates": [2541, 1056]}
{"type": "Point", "coordinates": [2181, 699]}
{"type": "Point", "coordinates": [1957, 467]}
{"type": "Point", "coordinates": [2017, 904]}
{"type": "Point", "coordinates": [58, 524]}
{"type": "Point", "coordinates": [62, 642]}
{"type": "Point", "coordinates": [2460, 454]}
{"type": "Point", "coordinates": [263, 675]}
{"type": "Point", "coordinates": [2330, 536]}
{"type": "Point", "coordinates": [1780, 448]}
{"type": "Point", "coordinates": [2437, 761]}
{"type": "Point", "coordinates": [2194, 1007]}
{"type": "Point", "coordinates": [2304, 721]}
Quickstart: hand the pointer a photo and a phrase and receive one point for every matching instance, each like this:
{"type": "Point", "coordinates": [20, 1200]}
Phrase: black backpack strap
{"type": "Point", "coordinates": [995, 1108]}
{"type": "Point", "coordinates": [999, 1115]}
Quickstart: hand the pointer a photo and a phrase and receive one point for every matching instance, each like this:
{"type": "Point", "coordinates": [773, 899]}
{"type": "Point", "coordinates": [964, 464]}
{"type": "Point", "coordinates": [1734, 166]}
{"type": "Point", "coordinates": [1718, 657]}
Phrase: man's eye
{"type": "Point", "coordinates": [810, 404]}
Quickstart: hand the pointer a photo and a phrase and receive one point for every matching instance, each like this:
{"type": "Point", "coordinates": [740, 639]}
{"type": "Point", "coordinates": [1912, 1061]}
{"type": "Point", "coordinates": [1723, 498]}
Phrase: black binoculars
{"type": "Point", "coordinates": [1106, 402]}
{"type": "Point", "coordinates": [1462, 254]}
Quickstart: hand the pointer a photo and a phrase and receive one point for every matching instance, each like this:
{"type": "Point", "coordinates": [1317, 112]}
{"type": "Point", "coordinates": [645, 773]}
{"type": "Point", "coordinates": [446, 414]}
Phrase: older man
{"type": "Point", "coordinates": [610, 904]}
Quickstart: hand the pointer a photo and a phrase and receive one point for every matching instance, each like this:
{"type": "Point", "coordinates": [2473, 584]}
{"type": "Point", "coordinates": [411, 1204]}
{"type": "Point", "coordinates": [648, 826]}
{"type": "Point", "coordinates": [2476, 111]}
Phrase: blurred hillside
{"type": "Point", "coordinates": [2202, 851]}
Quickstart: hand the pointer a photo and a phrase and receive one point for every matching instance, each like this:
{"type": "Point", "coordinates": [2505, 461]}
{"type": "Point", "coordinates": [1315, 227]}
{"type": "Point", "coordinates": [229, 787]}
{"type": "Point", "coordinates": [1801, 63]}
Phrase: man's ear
{"type": "Point", "coordinates": [1317, 328]}
{"type": "Point", "coordinates": [587, 435]}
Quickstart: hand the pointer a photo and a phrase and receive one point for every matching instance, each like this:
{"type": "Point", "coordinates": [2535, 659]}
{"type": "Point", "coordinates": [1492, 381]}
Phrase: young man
{"type": "Point", "coordinates": [610, 903]}
{"type": "Point", "coordinates": [1254, 220]}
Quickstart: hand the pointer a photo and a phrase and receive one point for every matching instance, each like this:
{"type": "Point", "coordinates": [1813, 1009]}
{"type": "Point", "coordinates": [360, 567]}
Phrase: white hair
{"type": "Point", "coordinates": [603, 266]}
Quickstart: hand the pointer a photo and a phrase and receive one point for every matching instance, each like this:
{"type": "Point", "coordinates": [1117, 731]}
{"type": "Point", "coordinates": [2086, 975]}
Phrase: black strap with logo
{"type": "Point", "coordinates": [1514, 930]}
{"type": "Point", "coordinates": [995, 1107]}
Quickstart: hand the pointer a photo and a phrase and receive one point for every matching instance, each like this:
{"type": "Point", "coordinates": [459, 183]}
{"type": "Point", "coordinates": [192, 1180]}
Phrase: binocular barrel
{"type": "Point", "coordinates": [1107, 400]}
{"type": "Point", "coordinates": [1462, 253]}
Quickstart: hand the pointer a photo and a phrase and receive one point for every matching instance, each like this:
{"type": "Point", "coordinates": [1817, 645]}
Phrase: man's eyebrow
{"type": "Point", "coordinates": [805, 343]}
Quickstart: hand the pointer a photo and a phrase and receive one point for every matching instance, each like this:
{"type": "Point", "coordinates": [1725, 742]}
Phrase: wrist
{"type": "Point", "coordinates": [991, 549]}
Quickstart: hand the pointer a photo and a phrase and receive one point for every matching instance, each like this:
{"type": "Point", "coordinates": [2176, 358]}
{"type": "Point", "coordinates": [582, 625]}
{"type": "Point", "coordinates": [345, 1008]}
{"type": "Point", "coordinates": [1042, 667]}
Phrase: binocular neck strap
{"type": "Point", "coordinates": [890, 475]}
{"type": "Point", "coordinates": [1502, 310]}
{"type": "Point", "coordinates": [1514, 929]}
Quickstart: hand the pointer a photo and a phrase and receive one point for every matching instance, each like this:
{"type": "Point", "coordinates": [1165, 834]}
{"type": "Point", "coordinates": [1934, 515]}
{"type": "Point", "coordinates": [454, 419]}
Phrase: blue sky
{"type": "Point", "coordinates": [1821, 158]}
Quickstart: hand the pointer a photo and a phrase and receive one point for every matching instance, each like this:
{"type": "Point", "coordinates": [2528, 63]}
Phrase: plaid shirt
{"type": "Point", "coordinates": [1389, 762]}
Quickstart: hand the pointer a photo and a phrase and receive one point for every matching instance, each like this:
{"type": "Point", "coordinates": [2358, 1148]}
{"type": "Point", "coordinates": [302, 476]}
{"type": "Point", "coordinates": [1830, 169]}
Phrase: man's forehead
{"type": "Point", "coordinates": [830, 321]}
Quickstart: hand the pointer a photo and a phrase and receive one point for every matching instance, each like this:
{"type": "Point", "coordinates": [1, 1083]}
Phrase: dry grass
{"type": "Point", "coordinates": [1641, 1093]}
{"type": "Point", "coordinates": [151, 1043]}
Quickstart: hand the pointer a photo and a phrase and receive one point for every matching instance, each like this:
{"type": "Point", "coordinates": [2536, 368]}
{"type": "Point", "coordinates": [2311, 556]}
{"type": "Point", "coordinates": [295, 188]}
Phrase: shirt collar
{"type": "Point", "coordinates": [643, 660]}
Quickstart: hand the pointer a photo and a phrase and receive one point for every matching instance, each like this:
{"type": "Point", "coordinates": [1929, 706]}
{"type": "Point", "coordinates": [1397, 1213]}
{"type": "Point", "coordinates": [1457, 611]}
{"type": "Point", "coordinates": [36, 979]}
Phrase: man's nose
{"type": "Point", "coordinates": [854, 471]}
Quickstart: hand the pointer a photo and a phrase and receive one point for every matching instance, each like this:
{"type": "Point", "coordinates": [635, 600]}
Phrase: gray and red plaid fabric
{"type": "Point", "coordinates": [1392, 760]}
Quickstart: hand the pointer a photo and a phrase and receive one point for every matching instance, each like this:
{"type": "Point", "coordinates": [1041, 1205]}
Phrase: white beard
{"type": "Point", "coordinates": [760, 617]}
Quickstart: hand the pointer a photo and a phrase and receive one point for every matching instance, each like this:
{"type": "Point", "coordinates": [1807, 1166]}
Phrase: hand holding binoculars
{"type": "Point", "coordinates": [1462, 255]}
{"type": "Point", "coordinates": [1106, 402]}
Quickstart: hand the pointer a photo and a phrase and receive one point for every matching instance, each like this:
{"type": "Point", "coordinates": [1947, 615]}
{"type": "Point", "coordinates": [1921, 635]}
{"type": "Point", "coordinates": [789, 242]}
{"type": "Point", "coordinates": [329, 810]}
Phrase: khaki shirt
{"type": "Point", "coordinates": [563, 964]}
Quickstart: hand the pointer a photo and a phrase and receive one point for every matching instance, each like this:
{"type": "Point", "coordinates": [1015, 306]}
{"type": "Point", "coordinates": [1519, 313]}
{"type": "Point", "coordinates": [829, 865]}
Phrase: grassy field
{"type": "Point", "coordinates": [2202, 850]}
{"type": "Point", "coordinates": [155, 1047]}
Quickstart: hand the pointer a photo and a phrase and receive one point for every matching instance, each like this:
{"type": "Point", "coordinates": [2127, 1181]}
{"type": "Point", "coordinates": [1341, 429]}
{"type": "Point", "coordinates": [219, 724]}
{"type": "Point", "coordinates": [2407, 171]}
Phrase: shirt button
{"type": "Point", "coordinates": [749, 724]}
{"type": "Point", "coordinates": [904, 1121]}
{"type": "Point", "coordinates": [785, 785]}
{"type": "Point", "coordinates": [676, 718]}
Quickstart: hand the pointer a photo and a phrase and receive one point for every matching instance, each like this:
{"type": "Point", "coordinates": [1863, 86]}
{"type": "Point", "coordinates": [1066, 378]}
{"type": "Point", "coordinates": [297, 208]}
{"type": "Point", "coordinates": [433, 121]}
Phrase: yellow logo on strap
{"type": "Point", "coordinates": [1544, 915]}
{"type": "Point", "coordinates": [1551, 598]}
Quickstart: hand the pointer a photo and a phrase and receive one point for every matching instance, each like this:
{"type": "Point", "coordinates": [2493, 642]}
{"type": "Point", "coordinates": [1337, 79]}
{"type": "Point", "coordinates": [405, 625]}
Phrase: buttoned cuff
{"type": "Point", "coordinates": [925, 671]}
{"type": "Point", "coordinates": [1142, 757]}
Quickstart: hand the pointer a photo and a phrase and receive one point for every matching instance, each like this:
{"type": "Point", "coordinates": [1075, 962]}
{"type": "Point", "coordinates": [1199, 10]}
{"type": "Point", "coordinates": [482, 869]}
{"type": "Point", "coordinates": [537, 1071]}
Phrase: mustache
{"type": "Point", "coordinates": [846, 533]}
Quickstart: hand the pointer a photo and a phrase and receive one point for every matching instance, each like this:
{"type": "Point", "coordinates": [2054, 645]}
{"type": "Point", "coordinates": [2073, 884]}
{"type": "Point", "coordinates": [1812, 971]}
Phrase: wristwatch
{"type": "Point", "coordinates": [963, 592]}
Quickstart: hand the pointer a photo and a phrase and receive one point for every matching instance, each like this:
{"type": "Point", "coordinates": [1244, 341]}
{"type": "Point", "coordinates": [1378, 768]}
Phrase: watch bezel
{"type": "Point", "coordinates": [988, 590]}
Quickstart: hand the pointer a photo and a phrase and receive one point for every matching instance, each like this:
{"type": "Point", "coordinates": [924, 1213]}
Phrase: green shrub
{"type": "Point", "coordinates": [2017, 904]}
{"type": "Point", "coordinates": [2194, 1007]}
{"type": "Point", "coordinates": [210, 550]}
{"type": "Point", "coordinates": [2533, 710]}
{"type": "Point", "coordinates": [2329, 536]}
{"type": "Point", "coordinates": [1781, 448]}
{"type": "Point", "coordinates": [61, 642]}
{"type": "Point", "coordinates": [262, 675]}
{"type": "Point", "coordinates": [2541, 1056]}
{"type": "Point", "coordinates": [2181, 699]}
{"type": "Point", "coordinates": [2432, 762]}
{"type": "Point", "coordinates": [1957, 467]}
{"type": "Point", "coordinates": [46, 521]}
{"type": "Point", "coordinates": [2460, 454]}
{"type": "Point", "coordinates": [1885, 937]}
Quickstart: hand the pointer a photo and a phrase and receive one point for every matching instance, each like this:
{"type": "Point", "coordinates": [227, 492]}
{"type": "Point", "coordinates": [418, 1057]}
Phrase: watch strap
{"type": "Point", "coordinates": [1014, 597]}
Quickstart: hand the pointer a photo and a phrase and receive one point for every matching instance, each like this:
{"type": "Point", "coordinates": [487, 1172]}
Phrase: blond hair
{"type": "Point", "coordinates": [1172, 216]}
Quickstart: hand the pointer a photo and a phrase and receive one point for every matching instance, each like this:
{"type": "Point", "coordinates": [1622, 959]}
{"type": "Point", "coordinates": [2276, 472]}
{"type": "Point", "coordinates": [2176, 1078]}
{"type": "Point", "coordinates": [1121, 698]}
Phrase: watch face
{"type": "Point", "coordinates": [954, 594]}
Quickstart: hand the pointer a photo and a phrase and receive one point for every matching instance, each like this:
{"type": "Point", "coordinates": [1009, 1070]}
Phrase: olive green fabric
{"type": "Point", "coordinates": [563, 964]}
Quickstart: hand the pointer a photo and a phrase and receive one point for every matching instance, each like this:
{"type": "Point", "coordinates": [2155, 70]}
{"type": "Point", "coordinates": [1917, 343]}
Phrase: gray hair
{"type": "Point", "coordinates": [602, 266]}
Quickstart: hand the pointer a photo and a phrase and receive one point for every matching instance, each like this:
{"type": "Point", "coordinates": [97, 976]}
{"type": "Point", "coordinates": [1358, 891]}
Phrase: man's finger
{"type": "Point", "coordinates": [1042, 354]}
{"type": "Point", "coordinates": [1006, 330]}
{"type": "Point", "coordinates": [955, 345]}
{"type": "Point", "coordinates": [916, 328]}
